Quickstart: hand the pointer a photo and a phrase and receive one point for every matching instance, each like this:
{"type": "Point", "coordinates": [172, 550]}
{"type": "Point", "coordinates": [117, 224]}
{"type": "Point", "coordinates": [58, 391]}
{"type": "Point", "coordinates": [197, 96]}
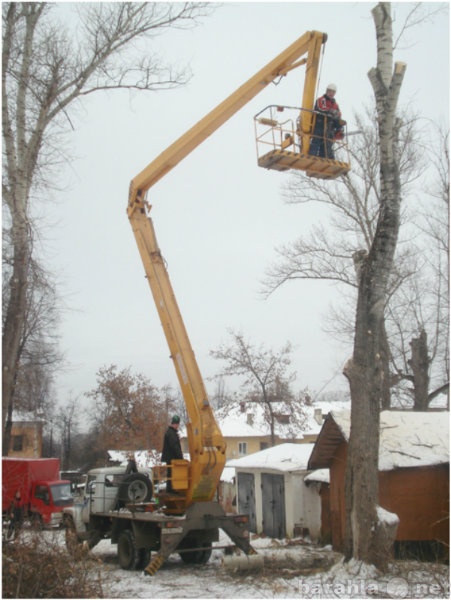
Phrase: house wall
{"type": "Point", "coordinates": [303, 506]}
{"type": "Point", "coordinates": [326, 529]}
{"type": "Point", "coordinates": [337, 496]}
{"type": "Point", "coordinates": [30, 436]}
{"type": "Point", "coordinates": [253, 445]}
{"type": "Point", "coordinates": [419, 496]}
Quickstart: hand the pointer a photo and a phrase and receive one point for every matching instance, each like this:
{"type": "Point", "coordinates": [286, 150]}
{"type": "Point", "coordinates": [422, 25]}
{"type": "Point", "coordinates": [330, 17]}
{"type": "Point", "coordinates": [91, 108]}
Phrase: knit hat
{"type": "Point", "coordinates": [175, 419]}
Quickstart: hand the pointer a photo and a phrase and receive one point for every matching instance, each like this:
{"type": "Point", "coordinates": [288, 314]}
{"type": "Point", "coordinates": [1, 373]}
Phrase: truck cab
{"type": "Point", "coordinates": [48, 499]}
{"type": "Point", "coordinates": [106, 489]}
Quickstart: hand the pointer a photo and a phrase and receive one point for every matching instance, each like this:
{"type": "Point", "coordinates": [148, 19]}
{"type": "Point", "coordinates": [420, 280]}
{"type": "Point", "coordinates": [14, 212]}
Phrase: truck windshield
{"type": "Point", "coordinates": [61, 494]}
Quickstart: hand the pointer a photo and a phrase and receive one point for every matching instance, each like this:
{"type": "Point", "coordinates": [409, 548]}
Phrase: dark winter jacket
{"type": "Point", "coordinates": [171, 446]}
{"type": "Point", "coordinates": [16, 511]}
{"type": "Point", "coordinates": [327, 107]}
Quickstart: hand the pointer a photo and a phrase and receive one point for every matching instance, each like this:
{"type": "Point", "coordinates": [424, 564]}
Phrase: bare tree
{"type": "Point", "coordinates": [353, 206]}
{"type": "Point", "coordinates": [47, 68]}
{"type": "Point", "coordinates": [265, 372]}
{"type": "Point", "coordinates": [66, 421]}
{"type": "Point", "coordinates": [366, 371]}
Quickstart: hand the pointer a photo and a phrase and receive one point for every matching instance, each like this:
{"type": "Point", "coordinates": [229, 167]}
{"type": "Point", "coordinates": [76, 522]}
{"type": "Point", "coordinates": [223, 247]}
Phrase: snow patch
{"type": "Point", "coordinates": [384, 516]}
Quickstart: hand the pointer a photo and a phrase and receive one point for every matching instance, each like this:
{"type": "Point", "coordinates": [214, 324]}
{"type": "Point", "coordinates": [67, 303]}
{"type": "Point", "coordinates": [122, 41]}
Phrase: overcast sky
{"type": "Point", "coordinates": [217, 215]}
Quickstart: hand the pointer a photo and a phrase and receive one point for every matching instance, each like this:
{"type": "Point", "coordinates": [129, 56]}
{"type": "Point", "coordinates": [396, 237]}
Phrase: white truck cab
{"type": "Point", "coordinates": [106, 489]}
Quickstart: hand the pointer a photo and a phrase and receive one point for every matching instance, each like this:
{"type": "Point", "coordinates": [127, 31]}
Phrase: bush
{"type": "Point", "coordinates": [37, 565]}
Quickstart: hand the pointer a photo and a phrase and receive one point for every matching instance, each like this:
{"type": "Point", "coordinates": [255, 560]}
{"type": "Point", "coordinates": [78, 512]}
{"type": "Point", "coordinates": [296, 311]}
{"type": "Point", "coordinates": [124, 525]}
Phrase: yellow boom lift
{"type": "Point", "coordinates": [197, 480]}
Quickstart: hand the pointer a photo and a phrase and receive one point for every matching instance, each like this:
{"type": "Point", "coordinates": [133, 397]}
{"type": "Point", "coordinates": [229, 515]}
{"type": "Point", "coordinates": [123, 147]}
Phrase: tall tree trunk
{"type": "Point", "coordinates": [419, 363]}
{"type": "Point", "coordinates": [14, 322]}
{"type": "Point", "coordinates": [44, 71]}
{"type": "Point", "coordinates": [384, 351]}
{"type": "Point", "coordinates": [367, 371]}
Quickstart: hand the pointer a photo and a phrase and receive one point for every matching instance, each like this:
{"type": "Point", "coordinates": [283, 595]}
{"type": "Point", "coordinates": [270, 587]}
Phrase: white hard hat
{"type": "Point", "coordinates": [332, 87]}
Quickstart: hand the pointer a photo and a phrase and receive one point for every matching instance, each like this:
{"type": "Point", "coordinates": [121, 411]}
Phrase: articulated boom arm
{"type": "Point", "coordinates": [206, 443]}
{"type": "Point", "coordinates": [310, 43]}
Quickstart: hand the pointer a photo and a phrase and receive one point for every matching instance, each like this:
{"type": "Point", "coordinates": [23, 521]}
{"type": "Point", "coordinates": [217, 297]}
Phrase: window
{"type": "Point", "coordinates": [282, 419]}
{"type": "Point", "coordinates": [17, 443]}
{"type": "Point", "coordinates": [42, 493]}
{"type": "Point", "coordinates": [242, 448]}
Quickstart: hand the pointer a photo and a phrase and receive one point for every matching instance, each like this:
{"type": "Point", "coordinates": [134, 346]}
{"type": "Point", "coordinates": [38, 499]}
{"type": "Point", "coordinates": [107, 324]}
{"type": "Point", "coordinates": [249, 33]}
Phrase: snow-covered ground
{"type": "Point", "coordinates": [177, 580]}
{"type": "Point", "coordinates": [406, 579]}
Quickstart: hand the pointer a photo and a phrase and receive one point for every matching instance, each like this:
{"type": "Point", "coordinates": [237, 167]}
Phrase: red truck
{"type": "Point", "coordinates": [44, 494]}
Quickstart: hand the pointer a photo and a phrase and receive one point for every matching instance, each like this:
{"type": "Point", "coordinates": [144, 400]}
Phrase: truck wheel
{"type": "Point", "coordinates": [143, 558]}
{"type": "Point", "coordinates": [75, 544]}
{"type": "Point", "coordinates": [126, 550]}
{"type": "Point", "coordinates": [197, 557]}
{"type": "Point", "coordinates": [135, 488]}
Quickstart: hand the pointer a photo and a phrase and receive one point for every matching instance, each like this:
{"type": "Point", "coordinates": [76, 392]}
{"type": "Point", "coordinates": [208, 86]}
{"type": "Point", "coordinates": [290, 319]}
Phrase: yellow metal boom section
{"type": "Point", "coordinates": [310, 43]}
{"type": "Point", "coordinates": [206, 443]}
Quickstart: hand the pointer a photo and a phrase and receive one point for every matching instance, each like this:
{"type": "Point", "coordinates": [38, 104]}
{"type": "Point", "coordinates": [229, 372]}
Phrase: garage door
{"type": "Point", "coordinates": [273, 499]}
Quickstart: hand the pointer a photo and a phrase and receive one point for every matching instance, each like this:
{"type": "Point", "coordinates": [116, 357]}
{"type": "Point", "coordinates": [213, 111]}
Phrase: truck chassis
{"type": "Point", "coordinates": [138, 533]}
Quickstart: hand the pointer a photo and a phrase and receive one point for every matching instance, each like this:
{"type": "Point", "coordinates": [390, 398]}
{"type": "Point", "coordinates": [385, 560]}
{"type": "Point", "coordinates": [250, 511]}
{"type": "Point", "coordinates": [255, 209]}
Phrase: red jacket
{"type": "Point", "coordinates": [328, 105]}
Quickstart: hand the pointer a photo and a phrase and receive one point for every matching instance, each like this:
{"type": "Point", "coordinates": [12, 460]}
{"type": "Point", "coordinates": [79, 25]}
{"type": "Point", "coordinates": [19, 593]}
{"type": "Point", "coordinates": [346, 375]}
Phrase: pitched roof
{"type": "Point", "coordinates": [284, 457]}
{"type": "Point", "coordinates": [247, 419]}
{"type": "Point", "coordinates": [407, 439]}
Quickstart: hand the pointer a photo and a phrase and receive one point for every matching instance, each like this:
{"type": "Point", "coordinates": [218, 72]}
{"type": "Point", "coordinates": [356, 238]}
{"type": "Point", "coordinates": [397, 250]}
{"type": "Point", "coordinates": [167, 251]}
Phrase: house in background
{"type": "Point", "coordinates": [246, 426]}
{"type": "Point", "coordinates": [26, 435]}
{"type": "Point", "coordinates": [413, 472]}
{"type": "Point", "coordinates": [271, 490]}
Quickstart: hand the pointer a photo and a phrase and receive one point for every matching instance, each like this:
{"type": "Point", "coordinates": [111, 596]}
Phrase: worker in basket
{"type": "Point", "coordinates": [329, 125]}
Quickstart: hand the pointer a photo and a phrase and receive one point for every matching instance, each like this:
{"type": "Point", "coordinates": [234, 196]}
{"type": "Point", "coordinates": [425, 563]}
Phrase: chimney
{"type": "Point", "coordinates": [318, 416]}
{"type": "Point", "coordinates": [242, 407]}
{"type": "Point", "coordinates": [250, 418]}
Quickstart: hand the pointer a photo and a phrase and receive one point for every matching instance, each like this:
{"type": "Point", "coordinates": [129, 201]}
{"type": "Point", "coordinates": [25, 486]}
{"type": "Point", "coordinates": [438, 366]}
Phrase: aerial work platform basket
{"type": "Point", "coordinates": [284, 144]}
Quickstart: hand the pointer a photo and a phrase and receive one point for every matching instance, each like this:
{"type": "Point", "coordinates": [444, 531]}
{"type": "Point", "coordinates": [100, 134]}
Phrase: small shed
{"type": "Point", "coordinates": [271, 490]}
{"type": "Point", "coordinates": [413, 472]}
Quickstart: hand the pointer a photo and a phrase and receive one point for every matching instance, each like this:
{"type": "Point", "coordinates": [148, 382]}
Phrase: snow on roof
{"type": "Point", "coordinates": [321, 475]}
{"type": "Point", "coordinates": [27, 416]}
{"type": "Point", "coordinates": [407, 438]}
{"type": "Point", "coordinates": [284, 457]}
{"type": "Point", "coordinates": [312, 425]}
{"type": "Point", "coordinates": [234, 427]}
{"type": "Point", "coordinates": [247, 419]}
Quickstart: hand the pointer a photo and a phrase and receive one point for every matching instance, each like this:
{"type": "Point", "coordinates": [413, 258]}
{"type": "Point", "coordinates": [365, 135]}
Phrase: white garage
{"type": "Point", "coordinates": [271, 490]}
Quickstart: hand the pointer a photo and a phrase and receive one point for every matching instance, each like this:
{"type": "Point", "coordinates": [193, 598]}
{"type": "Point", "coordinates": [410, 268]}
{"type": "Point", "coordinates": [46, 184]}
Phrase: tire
{"type": "Point", "coordinates": [127, 552]}
{"type": "Point", "coordinates": [197, 557]}
{"type": "Point", "coordinates": [75, 544]}
{"type": "Point", "coordinates": [143, 558]}
{"type": "Point", "coordinates": [135, 488]}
